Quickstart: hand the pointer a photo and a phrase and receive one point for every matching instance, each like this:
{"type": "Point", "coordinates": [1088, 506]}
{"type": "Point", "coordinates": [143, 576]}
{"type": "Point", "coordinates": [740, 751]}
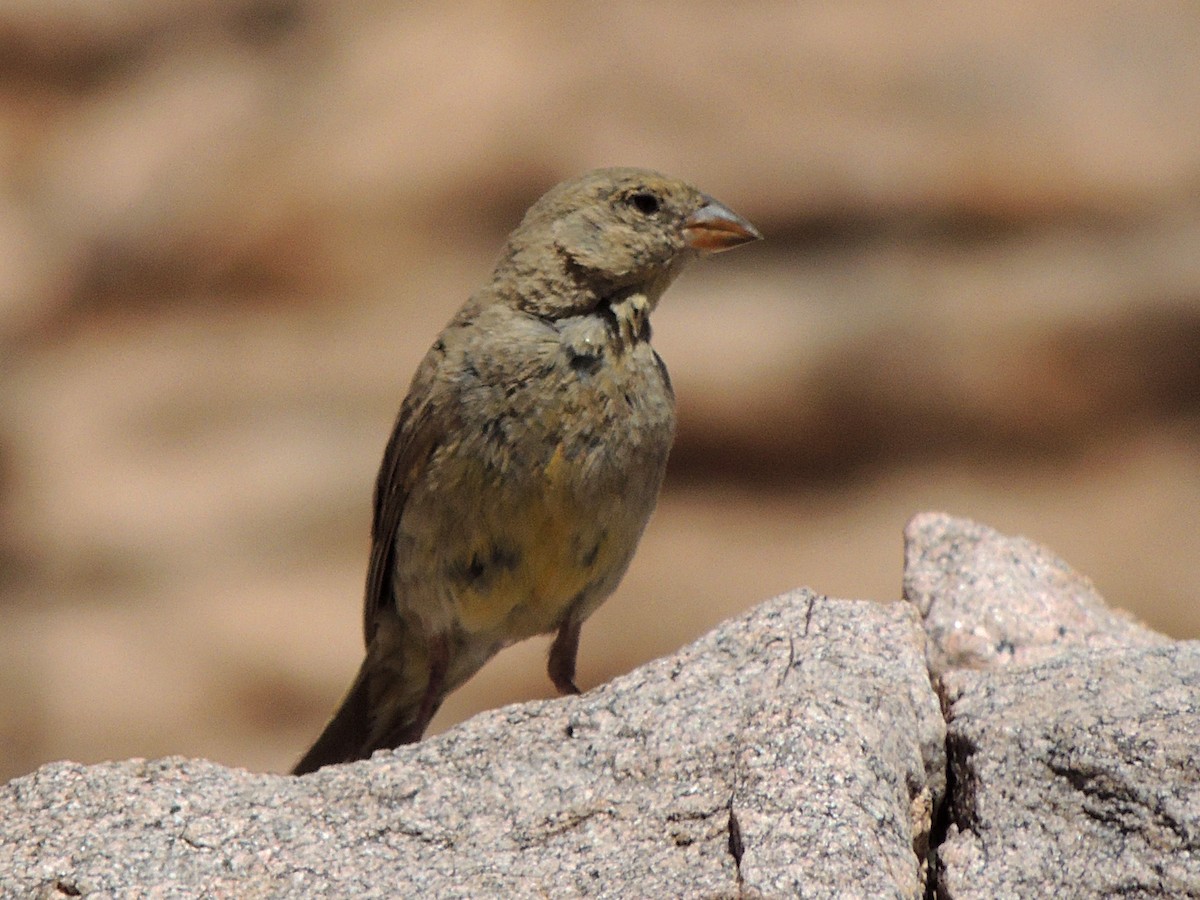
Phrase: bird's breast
{"type": "Point", "coordinates": [541, 505]}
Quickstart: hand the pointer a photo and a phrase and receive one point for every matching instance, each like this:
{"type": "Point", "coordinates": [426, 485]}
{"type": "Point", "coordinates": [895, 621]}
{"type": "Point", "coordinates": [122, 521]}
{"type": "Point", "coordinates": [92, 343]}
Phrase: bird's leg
{"type": "Point", "coordinates": [562, 656]}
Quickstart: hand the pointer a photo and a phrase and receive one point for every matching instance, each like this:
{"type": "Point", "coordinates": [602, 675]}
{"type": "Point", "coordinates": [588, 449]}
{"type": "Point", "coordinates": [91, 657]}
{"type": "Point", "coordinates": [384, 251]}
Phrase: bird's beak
{"type": "Point", "coordinates": [714, 227]}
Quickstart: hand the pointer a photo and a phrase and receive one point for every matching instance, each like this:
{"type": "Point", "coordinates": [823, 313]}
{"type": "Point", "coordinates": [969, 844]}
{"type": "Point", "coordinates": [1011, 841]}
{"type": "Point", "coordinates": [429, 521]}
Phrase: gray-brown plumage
{"type": "Point", "coordinates": [528, 454]}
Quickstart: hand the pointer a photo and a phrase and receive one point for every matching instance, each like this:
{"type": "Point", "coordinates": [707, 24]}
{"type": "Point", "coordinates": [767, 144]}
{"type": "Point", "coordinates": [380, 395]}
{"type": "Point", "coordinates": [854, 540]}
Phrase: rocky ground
{"type": "Point", "coordinates": [229, 228]}
{"type": "Point", "coordinates": [1003, 733]}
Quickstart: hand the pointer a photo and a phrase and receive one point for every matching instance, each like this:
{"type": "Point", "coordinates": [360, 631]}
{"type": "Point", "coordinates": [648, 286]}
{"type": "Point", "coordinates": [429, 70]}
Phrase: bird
{"type": "Point", "coordinates": [528, 454]}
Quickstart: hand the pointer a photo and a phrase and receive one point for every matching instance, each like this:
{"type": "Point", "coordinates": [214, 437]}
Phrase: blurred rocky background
{"type": "Point", "coordinates": [230, 228]}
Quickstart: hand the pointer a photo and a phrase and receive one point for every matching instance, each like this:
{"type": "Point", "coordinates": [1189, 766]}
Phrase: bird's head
{"type": "Point", "coordinates": [613, 231]}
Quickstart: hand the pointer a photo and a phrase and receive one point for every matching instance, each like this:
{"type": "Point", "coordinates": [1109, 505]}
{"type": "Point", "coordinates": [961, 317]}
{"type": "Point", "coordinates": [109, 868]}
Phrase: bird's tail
{"type": "Point", "coordinates": [347, 736]}
{"type": "Point", "coordinates": [399, 687]}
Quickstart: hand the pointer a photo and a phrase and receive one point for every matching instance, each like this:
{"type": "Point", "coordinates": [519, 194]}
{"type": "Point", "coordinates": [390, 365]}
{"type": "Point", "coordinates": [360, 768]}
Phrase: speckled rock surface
{"type": "Point", "coordinates": [989, 600]}
{"type": "Point", "coordinates": [798, 750]}
{"type": "Point", "coordinates": [1072, 730]}
{"type": "Point", "coordinates": [1076, 777]}
{"type": "Point", "coordinates": [759, 761]}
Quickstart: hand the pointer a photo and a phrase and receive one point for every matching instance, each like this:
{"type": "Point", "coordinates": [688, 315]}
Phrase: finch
{"type": "Point", "coordinates": [528, 454]}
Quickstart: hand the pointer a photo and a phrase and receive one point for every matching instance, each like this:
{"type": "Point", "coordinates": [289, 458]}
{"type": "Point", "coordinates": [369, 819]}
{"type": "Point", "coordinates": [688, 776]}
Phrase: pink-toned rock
{"type": "Point", "coordinates": [990, 601]}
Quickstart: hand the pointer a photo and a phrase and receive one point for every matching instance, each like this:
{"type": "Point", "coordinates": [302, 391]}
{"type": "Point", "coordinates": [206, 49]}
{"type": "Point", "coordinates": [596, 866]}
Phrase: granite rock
{"type": "Point", "coordinates": [795, 750]}
{"type": "Point", "coordinates": [1028, 741]}
{"type": "Point", "coordinates": [1072, 730]}
{"type": "Point", "coordinates": [989, 600]}
{"type": "Point", "coordinates": [1076, 777]}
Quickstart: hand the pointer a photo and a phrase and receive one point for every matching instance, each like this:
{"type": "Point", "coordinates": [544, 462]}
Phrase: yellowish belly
{"type": "Point", "coordinates": [530, 563]}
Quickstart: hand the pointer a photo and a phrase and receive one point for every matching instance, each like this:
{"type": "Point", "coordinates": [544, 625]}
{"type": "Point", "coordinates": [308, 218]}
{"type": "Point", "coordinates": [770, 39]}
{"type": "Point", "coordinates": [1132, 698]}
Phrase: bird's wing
{"type": "Point", "coordinates": [419, 428]}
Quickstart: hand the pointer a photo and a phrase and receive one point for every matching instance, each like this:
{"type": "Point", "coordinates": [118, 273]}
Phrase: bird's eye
{"type": "Point", "coordinates": [646, 204]}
